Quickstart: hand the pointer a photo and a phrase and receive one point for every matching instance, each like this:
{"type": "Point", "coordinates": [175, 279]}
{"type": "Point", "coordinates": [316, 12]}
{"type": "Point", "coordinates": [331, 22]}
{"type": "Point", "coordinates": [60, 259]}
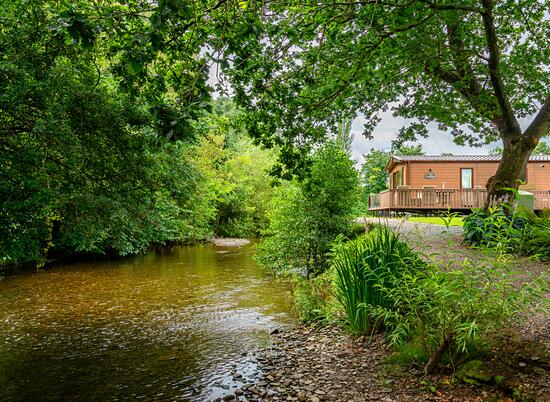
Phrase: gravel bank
{"type": "Point", "coordinates": [328, 365]}
{"type": "Point", "coordinates": [229, 242]}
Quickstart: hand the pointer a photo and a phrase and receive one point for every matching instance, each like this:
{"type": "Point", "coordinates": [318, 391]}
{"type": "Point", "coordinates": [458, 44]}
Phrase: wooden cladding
{"type": "Point", "coordinates": [447, 175]}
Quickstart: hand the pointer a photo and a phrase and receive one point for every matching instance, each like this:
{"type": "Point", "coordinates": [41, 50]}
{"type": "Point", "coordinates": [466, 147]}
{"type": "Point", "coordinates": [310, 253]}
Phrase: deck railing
{"type": "Point", "coordinates": [440, 199]}
{"type": "Point", "coordinates": [542, 199]}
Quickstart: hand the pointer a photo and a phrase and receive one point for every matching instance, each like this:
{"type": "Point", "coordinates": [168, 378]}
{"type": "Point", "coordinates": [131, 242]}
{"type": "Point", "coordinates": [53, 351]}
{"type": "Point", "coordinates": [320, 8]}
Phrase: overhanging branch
{"type": "Point", "coordinates": [541, 123]}
{"type": "Point", "coordinates": [507, 123]}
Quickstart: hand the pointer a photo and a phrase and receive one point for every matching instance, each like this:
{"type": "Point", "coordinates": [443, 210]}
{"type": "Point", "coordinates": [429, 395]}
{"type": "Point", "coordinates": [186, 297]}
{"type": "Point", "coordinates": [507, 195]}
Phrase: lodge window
{"type": "Point", "coordinates": [396, 179]}
{"type": "Point", "coordinates": [467, 178]}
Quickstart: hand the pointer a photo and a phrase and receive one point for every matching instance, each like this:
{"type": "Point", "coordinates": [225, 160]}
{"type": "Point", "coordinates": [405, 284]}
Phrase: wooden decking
{"type": "Point", "coordinates": [440, 199]}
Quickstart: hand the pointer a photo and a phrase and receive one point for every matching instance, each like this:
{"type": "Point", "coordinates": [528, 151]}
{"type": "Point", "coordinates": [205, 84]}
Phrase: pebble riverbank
{"type": "Point", "coordinates": [328, 365]}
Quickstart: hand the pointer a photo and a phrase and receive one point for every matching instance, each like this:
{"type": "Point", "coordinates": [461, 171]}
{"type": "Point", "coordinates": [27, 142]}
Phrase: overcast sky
{"type": "Point", "coordinates": [437, 143]}
{"type": "Point", "coordinates": [386, 131]}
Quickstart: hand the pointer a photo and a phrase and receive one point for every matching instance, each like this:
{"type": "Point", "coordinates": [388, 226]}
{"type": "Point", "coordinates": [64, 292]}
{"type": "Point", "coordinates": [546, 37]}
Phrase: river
{"type": "Point", "coordinates": [171, 325]}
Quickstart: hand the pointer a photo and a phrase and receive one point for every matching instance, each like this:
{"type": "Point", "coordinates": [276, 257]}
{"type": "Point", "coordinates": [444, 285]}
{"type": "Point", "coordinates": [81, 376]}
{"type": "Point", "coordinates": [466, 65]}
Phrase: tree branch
{"type": "Point", "coordinates": [507, 122]}
{"type": "Point", "coordinates": [540, 124]}
{"type": "Point", "coordinates": [450, 7]}
{"type": "Point", "coordinates": [467, 85]}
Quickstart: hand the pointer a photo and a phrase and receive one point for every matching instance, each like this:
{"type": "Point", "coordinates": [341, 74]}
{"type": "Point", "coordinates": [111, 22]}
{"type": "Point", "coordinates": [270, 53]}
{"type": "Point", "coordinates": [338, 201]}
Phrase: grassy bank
{"type": "Point", "coordinates": [436, 220]}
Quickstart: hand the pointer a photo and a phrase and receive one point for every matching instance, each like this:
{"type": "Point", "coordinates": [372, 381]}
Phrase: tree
{"type": "Point", "coordinates": [307, 216]}
{"type": "Point", "coordinates": [235, 172]}
{"type": "Point", "coordinates": [541, 149]}
{"type": "Point", "coordinates": [373, 171]}
{"type": "Point", "coordinates": [409, 150]}
{"type": "Point", "coordinates": [344, 137]}
{"type": "Point", "coordinates": [466, 64]}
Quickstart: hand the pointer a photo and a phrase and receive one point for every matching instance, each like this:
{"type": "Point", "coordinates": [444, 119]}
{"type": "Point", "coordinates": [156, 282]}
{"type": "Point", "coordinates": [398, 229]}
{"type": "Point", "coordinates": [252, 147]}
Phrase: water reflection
{"type": "Point", "coordinates": [167, 325]}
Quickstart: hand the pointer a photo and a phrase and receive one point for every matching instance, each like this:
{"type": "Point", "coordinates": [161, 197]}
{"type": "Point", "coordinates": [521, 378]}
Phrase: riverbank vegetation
{"type": "Point", "coordinates": [439, 311]}
{"type": "Point", "coordinates": [153, 192]}
{"type": "Point", "coordinates": [109, 146]}
{"type": "Point", "coordinates": [306, 216]}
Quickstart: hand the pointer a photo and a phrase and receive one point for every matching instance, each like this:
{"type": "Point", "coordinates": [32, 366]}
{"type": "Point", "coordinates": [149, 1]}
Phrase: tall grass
{"type": "Point", "coordinates": [365, 269]}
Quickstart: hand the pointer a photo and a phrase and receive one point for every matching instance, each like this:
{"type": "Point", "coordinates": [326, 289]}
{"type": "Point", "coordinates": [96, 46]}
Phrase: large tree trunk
{"type": "Point", "coordinates": [517, 150]}
{"type": "Point", "coordinates": [515, 157]}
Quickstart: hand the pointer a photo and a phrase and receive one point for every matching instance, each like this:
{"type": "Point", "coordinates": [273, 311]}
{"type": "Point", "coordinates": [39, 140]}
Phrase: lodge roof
{"type": "Point", "coordinates": [455, 158]}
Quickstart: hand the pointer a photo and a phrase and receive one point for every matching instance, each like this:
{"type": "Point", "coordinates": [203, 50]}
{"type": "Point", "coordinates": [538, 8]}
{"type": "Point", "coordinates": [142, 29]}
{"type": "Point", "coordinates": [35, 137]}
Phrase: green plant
{"type": "Point", "coordinates": [536, 240]}
{"type": "Point", "coordinates": [356, 230]}
{"type": "Point", "coordinates": [408, 352]}
{"type": "Point", "coordinates": [515, 233]}
{"type": "Point", "coordinates": [305, 217]}
{"type": "Point", "coordinates": [364, 269]}
{"type": "Point", "coordinates": [494, 228]}
{"type": "Point", "coordinates": [396, 39]}
{"type": "Point", "coordinates": [313, 298]}
{"type": "Point", "coordinates": [451, 312]}
{"type": "Point", "coordinates": [448, 217]}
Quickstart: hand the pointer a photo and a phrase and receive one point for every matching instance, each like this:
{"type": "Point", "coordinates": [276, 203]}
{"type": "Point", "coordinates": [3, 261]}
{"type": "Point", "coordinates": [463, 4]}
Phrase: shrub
{"type": "Point", "coordinates": [517, 233]}
{"type": "Point", "coordinates": [355, 230]}
{"type": "Point", "coordinates": [536, 240]}
{"type": "Point", "coordinates": [494, 228]}
{"type": "Point", "coordinates": [313, 299]}
{"type": "Point", "coordinates": [365, 268]}
{"type": "Point", "coordinates": [451, 312]}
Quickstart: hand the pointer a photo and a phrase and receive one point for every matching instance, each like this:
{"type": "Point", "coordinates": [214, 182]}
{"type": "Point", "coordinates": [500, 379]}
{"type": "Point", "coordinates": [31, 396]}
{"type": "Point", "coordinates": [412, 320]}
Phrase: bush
{"type": "Point", "coordinates": [536, 240]}
{"type": "Point", "coordinates": [451, 312]}
{"type": "Point", "coordinates": [365, 268]}
{"type": "Point", "coordinates": [516, 233]}
{"type": "Point", "coordinates": [356, 230]}
{"type": "Point", "coordinates": [494, 228]}
{"type": "Point", "coordinates": [313, 299]}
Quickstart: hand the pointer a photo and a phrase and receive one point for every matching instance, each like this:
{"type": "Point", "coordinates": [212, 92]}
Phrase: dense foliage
{"type": "Point", "coordinates": [518, 233]}
{"type": "Point", "coordinates": [536, 239]}
{"type": "Point", "coordinates": [107, 139]}
{"type": "Point", "coordinates": [494, 228]}
{"type": "Point", "coordinates": [365, 268]}
{"type": "Point", "coordinates": [307, 216]}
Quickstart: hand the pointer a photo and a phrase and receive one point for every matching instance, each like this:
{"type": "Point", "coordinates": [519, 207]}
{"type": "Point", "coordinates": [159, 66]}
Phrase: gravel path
{"type": "Point", "coordinates": [414, 228]}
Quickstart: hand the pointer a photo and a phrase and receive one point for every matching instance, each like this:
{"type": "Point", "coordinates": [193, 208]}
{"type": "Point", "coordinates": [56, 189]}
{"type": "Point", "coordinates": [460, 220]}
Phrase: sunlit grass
{"type": "Point", "coordinates": [435, 220]}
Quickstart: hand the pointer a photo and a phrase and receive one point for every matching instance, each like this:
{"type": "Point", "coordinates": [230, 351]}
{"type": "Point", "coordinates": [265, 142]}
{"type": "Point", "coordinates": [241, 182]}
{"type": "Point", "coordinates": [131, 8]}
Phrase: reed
{"type": "Point", "coordinates": [365, 269]}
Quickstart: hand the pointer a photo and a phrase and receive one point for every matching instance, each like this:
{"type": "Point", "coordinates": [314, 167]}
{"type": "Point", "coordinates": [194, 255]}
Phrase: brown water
{"type": "Point", "coordinates": [177, 325]}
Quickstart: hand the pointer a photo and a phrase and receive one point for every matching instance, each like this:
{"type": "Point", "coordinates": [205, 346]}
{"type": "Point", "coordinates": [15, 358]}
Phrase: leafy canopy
{"type": "Point", "coordinates": [472, 66]}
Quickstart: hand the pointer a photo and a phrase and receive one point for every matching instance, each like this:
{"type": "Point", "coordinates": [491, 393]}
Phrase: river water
{"type": "Point", "coordinates": [176, 325]}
